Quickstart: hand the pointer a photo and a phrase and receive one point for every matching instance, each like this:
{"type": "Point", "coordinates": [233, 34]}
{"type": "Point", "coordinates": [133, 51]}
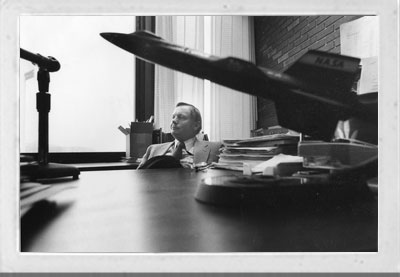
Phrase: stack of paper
{"type": "Point", "coordinates": [248, 153]}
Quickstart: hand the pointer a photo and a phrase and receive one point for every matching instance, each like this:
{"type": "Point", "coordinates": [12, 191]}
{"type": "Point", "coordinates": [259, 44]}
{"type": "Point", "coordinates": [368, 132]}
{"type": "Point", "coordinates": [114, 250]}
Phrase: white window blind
{"type": "Point", "coordinates": [226, 113]}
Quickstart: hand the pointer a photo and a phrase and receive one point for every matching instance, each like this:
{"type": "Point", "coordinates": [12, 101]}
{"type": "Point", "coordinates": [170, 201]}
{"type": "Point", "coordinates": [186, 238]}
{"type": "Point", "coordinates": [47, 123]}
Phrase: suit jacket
{"type": "Point", "coordinates": [204, 151]}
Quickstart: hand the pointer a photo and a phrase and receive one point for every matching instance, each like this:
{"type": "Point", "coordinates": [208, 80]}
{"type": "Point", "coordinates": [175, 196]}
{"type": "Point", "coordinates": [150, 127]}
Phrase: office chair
{"type": "Point", "coordinates": [167, 137]}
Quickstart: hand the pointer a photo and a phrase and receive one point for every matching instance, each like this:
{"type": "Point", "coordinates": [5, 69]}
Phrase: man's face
{"type": "Point", "coordinates": [183, 127]}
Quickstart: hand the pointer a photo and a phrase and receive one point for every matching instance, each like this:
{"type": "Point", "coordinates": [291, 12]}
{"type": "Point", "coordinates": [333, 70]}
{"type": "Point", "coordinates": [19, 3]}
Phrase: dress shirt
{"type": "Point", "coordinates": [187, 153]}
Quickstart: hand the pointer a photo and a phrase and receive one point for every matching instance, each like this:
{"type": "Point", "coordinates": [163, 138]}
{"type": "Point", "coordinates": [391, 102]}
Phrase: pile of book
{"type": "Point", "coordinates": [235, 154]}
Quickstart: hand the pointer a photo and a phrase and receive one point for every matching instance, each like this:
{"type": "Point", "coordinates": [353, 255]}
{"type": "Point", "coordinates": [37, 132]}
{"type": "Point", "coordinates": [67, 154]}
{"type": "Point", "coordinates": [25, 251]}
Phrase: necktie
{"type": "Point", "coordinates": [178, 150]}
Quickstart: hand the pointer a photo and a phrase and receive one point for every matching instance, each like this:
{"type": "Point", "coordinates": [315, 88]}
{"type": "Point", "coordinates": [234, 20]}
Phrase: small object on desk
{"type": "Point", "coordinates": [123, 130]}
{"type": "Point", "coordinates": [247, 169]}
{"type": "Point", "coordinates": [150, 120]}
{"type": "Point", "coordinates": [283, 169]}
{"type": "Point", "coordinates": [336, 155]}
{"type": "Point", "coordinates": [276, 165]}
{"type": "Point", "coordinates": [202, 166]}
{"type": "Point", "coordinates": [230, 166]}
{"type": "Point", "coordinates": [279, 192]}
{"type": "Point", "coordinates": [33, 192]}
{"type": "Point", "coordinates": [36, 171]}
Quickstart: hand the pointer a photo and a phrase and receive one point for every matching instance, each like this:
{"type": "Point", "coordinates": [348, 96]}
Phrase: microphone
{"type": "Point", "coordinates": [49, 64]}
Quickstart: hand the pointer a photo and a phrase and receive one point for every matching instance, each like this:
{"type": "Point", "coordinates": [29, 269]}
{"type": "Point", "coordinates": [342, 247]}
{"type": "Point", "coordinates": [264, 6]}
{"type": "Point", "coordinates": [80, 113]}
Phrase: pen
{"type": "Point", "coordinates": [123, 130]}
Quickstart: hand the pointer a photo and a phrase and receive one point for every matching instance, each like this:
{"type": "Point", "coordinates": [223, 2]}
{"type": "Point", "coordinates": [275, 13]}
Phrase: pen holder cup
{"type": "Point", "coordinates": [140, 137]}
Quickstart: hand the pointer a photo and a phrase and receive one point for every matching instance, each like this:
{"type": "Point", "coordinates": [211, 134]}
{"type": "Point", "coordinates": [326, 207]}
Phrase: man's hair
{"type": "Point", "coordinates": [194, 112]}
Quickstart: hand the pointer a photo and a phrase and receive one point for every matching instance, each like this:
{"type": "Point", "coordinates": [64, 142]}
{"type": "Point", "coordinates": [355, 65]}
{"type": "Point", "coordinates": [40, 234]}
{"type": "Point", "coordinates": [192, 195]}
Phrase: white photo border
{"type": "Point", "coordinates": [386, 260]}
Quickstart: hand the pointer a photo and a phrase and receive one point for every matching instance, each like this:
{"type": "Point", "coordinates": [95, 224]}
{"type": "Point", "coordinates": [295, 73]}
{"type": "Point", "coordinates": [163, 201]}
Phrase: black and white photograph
{"type": "Point", "coordinates": [225, 137]}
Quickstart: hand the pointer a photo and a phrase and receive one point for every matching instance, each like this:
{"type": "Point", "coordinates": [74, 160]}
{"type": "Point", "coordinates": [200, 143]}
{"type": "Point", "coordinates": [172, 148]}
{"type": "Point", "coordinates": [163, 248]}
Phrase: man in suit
{"type": "Point", "coordinates": [185, 125]}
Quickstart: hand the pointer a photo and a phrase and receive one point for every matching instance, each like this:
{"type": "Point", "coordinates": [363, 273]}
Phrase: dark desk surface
{"type": "Point", "coordinates": [105, 166]}
{"type": "Point", "coordinates": [155, 211]}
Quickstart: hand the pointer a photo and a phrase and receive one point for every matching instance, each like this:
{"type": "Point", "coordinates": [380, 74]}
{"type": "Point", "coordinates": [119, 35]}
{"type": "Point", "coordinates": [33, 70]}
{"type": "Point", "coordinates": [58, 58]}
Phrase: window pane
{"type": "Point", "coordinates": [92, 93]}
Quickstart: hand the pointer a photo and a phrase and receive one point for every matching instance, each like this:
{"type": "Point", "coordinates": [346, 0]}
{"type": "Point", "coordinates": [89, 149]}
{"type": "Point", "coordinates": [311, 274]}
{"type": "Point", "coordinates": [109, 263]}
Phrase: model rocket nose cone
{"type": "Point", "coordinates": [111, 37]}
{"type": "Point", "coordinates": [134, 43]}
{"type": "Point", "coordinates": [124, 41]}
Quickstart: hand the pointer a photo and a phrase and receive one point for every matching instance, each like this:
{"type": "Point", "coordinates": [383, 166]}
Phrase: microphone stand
{"type": "Point", "coordinates": [42, 169]}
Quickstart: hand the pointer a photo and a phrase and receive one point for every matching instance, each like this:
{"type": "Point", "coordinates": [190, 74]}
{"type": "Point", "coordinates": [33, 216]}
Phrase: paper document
{"type": "Point", "coordinates": [269, 167]}
{"type": "Point", "coordinates": [369, 75]}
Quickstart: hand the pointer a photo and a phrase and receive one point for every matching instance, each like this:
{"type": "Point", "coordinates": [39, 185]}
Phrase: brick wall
{"type": "Point", "coordinates": [281, 40]}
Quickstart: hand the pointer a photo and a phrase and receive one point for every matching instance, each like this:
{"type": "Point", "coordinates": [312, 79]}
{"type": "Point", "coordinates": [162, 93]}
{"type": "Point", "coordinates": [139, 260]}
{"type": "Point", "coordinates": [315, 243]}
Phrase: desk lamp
{"type": "Point", "coordinates": [42, 169]}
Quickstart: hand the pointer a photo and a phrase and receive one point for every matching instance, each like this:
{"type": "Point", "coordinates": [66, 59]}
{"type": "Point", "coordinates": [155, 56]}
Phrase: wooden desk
{"type": "Point", "coordinates": [155, 211]}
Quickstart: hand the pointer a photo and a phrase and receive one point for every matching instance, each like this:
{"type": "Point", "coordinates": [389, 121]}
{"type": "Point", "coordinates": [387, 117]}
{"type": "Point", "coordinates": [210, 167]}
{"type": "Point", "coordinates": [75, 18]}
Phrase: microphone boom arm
{"type": "Point", "coordinates": [49, 64]}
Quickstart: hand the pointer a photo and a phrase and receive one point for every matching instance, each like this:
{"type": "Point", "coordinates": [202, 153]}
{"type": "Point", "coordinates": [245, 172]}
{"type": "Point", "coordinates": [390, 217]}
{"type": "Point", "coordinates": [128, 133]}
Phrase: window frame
{"type": "Point", "coordinates": [144, 88]}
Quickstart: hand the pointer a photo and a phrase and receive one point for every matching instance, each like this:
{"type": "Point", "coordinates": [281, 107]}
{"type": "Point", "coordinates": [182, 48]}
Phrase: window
{"type": "Point", "coordinates": [93, 92]}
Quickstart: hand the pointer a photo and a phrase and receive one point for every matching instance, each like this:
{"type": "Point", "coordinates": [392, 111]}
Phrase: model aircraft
{"type": "Point", "coordinates": [311, 96]}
